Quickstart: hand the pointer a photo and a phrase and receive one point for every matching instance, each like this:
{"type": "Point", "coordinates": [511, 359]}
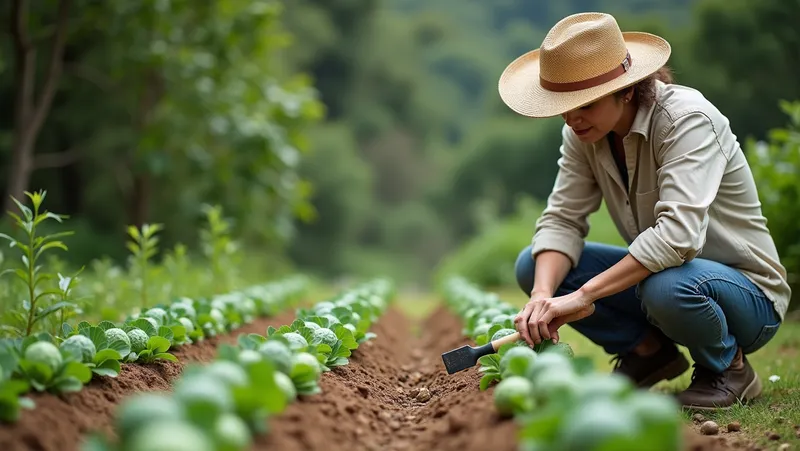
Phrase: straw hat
{"type": "Point", "coordinates": [584, 57]}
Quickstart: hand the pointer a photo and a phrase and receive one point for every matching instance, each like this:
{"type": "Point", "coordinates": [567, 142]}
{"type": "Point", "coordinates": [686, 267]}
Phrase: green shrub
{"type": "Point", "coordinates": [775, 164]}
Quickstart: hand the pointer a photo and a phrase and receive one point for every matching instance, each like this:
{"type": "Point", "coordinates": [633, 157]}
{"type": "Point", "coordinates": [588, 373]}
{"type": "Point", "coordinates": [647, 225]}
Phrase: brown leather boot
{"type": "Point", "coordinates": [645, 371]}
{"type": "Point", "coordinates": [719, 391]}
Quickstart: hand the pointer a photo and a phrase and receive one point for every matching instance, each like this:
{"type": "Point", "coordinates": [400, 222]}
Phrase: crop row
{"type": "Point", "coordinates": [560, 401]}
{"type": "Point", "coordinates": [66, 361]}
{"type": "Point", "coordinates": [224, 405]}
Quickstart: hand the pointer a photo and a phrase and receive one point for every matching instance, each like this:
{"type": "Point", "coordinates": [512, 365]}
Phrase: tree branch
{"type": "Point", "coordinates": [54, 67]}
{"type": "Point", "coordinates": [56, 159]}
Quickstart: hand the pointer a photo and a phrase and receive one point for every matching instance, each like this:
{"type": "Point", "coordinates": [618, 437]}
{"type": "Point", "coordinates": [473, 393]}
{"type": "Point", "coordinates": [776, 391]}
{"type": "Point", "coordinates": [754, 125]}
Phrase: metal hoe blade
{"type": "Point", "coordinates": [464, 357]}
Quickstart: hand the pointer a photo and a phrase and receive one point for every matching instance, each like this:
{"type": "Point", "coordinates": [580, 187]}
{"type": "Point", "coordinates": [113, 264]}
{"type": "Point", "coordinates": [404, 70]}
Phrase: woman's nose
{"type": "Point", "coordinates": [571, 118]}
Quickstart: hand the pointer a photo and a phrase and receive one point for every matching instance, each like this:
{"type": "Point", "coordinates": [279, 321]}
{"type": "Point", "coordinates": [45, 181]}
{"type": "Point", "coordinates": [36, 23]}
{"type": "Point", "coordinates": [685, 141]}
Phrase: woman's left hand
{"type": "Point", "coordinates": [544, 316]}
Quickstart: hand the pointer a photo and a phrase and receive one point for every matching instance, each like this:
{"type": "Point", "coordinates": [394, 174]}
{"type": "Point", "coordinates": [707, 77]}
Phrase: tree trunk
{"type": "Point", "coordinates": [30, 112]}
{"type": "Point", "coordinates": [140, 200]}
{"type": "Point", "coordinates": [140, 195]}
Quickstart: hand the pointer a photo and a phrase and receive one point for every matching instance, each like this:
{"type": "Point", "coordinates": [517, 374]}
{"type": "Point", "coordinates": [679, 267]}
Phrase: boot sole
{"type": "Point", "coordinates": [668, 372]}
{"type": "Point", "coordinates": [751, 392]}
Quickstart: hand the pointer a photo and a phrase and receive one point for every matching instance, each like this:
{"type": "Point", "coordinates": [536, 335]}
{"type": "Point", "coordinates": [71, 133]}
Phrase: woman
{"type": "Point", "coordinates": [700, 269]}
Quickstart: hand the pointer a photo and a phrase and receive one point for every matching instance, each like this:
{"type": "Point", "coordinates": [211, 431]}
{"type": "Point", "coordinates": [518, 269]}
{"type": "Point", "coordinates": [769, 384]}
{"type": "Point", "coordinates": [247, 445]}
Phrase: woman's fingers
{"type": "Point", "coordinates": [544, 322]}
{"type": "Point", "coordinates": [533, 321]}
{"type": "Point", "coordinates": [521, 322]}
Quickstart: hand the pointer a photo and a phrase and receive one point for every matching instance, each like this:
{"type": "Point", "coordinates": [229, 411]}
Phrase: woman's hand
{"type": "Point", "coordinates": [543, 315]}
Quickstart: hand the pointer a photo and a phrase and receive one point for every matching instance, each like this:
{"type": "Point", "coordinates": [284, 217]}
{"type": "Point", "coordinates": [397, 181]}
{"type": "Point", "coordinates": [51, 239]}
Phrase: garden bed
{"type": "Point", "coordinates": [369, 404]}
{"type": "Point", "coordinates": [60, 422]}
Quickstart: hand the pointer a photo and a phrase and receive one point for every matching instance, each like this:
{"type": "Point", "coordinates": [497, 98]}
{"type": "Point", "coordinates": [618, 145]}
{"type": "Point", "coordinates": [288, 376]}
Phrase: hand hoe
{"type": "Point", "coordinates": [467, 356]}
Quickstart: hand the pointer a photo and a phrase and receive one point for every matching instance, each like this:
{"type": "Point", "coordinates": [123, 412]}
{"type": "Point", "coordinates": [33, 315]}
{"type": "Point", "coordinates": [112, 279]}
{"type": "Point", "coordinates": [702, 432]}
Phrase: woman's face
{"type": "Point", "coordinates": [593, 122]}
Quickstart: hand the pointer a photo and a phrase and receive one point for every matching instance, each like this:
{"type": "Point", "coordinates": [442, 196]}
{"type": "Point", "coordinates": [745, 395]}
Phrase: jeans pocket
{"type": "Point", "coordinates": [764, 336]}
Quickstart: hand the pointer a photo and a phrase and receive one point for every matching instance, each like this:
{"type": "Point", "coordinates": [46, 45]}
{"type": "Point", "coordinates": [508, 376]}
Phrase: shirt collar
{"type": "Point", "coordinates": [644, 115]}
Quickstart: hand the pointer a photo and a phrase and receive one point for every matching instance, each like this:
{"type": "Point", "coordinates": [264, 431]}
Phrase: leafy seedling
{"type": "Point", "coordinates": [144, 246]}
{"type": "Point", "coordinates": [48, 368]}
{"type": "Point", "coordinates": [30, 273]}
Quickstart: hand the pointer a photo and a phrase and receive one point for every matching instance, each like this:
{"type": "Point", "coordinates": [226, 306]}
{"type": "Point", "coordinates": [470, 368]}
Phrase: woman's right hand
{"type": "Point", "coordinates": [522, 318]}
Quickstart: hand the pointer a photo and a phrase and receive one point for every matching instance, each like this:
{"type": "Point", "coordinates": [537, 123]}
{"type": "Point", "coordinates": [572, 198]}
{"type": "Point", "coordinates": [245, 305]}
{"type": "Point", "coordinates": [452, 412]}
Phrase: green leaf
{"type": "Point", "coordinates": [106, 372]}
{"type": "Point", "coordinates": [165, 356]}
{"type": "Point", "coordinates": [146, 326]}
{"type": "Point", "coordinates": [111, 364]}
{"type": "Point", "coordinates": [105, 325]}
{"type": "Point", "coordinates": [487, 380]}
{"type": "Point", "coordinates": [120, 346]}
{"type": "Point", "coordinates": [78, 370]}
{"type": "Point", "coordinates": [38, 374]}
{"type": "Point", "coordinates": [346, 336]}
{"type": "Point", "coordinates": [69, 384]}
{"type": "Point", "coordinates": [97, 335]}
{"type": "Point", "coordinates": [166, 332]}
{"type": "Point", "coordinates": [158, 344]}
{"type": "Point", "coordinates": [107, 354]}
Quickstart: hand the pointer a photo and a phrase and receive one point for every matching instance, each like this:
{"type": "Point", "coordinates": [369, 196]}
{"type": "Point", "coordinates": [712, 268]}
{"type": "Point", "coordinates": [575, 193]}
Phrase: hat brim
{"type": "Point", "coordinates": [521, 91]}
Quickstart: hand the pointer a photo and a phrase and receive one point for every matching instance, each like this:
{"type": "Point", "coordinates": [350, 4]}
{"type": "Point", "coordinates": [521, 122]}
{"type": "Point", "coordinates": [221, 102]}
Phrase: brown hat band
{"type": "Point", "coordinates": [590, 82]}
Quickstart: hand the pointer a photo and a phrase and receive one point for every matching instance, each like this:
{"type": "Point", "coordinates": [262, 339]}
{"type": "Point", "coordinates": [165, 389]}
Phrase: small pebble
{"type": "Point", "coordinates": [394, 425]}
{"type": "Point", "coordinates": [784, 447]}
{"type": "Point", "coordinates": [424, 395]}
{"type": "Point", "coordinates": [384, 415]}
{"type": "Point", "coordinates": [698, 418]}
{"type": "Point", "coordinates": [709, 428]}
{"type": "Point", "coordinates": [734, 427]}
{"type": "Point", "coordinates": [363, 390]}
{"type": "Point", "coordinates": [399, 390]}
{"type": "Point", "coordinates": [773, 435]}
{"type": "Point", "coordinates": [414, 392]}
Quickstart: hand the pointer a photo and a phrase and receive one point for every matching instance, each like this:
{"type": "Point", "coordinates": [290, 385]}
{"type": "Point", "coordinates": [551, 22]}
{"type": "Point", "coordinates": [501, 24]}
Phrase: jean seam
{"type": "Point", "coordinates": [707, 298]}
{"type": "Point", "coordinates": [704, 281]}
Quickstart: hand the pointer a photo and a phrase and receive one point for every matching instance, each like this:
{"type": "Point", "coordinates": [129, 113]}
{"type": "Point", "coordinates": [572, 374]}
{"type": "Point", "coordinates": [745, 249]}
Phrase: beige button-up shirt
{"type": "Point", "coordinates": [690, 194]}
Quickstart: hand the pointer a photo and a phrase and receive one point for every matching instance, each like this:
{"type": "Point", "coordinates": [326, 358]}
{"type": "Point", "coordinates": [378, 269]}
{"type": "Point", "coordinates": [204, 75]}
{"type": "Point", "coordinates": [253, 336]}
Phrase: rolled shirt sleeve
{"type": "Point", "coordinates": [691, 169]}
{"type": "Point", "coordinates": [564, 224]}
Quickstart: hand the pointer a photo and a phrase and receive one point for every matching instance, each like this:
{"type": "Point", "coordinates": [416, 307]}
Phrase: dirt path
{"type": "Point", "coordinates": [58, 423]}
{"type": "Point", "coordinates": [369, 404]}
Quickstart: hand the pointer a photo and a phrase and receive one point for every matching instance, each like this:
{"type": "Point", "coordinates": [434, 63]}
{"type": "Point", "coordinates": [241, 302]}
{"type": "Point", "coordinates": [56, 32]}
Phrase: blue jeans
{"type": "Point", "coordinates": [708, 307]}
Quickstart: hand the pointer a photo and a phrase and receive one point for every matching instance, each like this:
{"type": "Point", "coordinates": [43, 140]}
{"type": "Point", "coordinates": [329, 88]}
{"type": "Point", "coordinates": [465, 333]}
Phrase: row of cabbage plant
{"type": "Point", "coordinates": [561, 401]}
{"type": "Point", "coordinates": [65, 363]}
{"type": "Point", "coordinates": [224, 405]}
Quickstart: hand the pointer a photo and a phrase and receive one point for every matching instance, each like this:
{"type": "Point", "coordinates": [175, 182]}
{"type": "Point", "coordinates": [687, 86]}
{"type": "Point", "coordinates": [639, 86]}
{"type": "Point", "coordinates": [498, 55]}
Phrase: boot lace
{"type": "Point", "coordinates": [704, 377]}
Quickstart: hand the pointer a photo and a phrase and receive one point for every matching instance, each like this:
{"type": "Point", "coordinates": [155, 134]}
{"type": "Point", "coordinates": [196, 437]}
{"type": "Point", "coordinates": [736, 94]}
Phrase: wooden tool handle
{"type": "Point", "coordinates": [505, 340]}
{"type": "Point", "coordinates": [567, 319]}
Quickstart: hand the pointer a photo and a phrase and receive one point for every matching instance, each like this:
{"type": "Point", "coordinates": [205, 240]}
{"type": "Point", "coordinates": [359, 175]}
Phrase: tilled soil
{"type": "Point", "coordinates": [59, 423]}
{"type": "Point", "coordinates": [375, 403]}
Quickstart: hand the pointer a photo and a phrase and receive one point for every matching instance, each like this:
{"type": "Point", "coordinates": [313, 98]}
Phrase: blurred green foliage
{"type": "Point", "coordinates": [775, 164]}
{"type": "Point", "coordinates": [488, 258]}
{"type": "Point", "coordinates": [356, 137]}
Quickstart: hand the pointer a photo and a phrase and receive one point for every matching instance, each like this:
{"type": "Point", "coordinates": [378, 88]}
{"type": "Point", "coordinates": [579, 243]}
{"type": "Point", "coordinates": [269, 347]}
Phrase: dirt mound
{"type": "Point", "coordinates": [59, 423]}
{"type": "Point", "coordinates": [374, 403]}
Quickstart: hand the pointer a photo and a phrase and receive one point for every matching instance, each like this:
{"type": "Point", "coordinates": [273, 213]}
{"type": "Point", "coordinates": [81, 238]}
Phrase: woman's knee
{"type": "Point", "coordinates": [524, 269]}
{"type": "Point", "coordinates": [664, 294]}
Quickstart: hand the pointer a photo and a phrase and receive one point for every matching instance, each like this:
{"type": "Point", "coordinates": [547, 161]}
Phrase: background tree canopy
{"type": "Point", "coordinates": [351, 137]}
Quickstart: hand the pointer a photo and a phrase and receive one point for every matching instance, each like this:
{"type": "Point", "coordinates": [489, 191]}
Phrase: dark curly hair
{"type": "Point", "coordinates": [645, 90]}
